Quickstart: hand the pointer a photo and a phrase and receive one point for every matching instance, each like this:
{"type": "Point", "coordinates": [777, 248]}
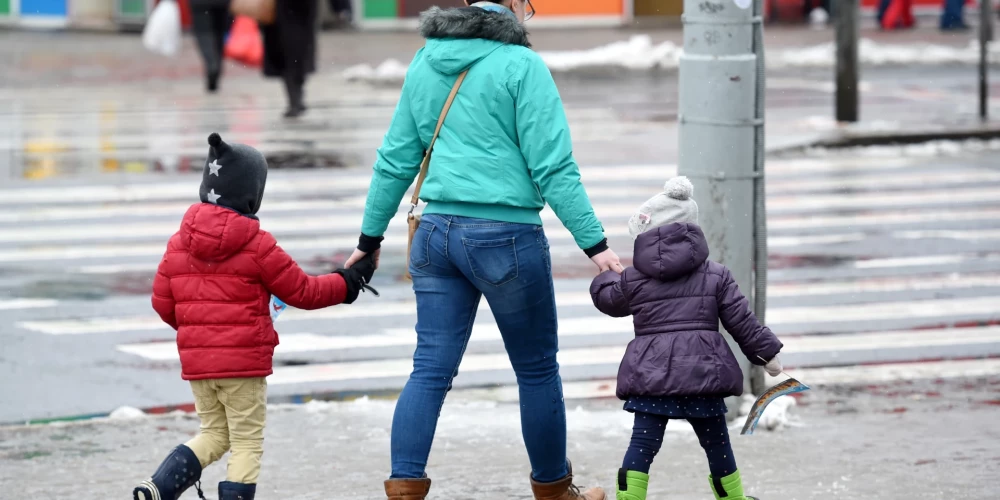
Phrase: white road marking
{"type": "Point", "coordinates": [775, 316]}
{"type": "Point", "coordinates": [892, 372]}
{"type": "Point", "coordinates": [851, 375]}
{"type": "Point", "coordinates": [919, 260]}
{"type": "Point", "coordinates": [353, 370]}
{"type": "Point", "coordinates": [590, 326]}
{"type": "Point", "coordinates": [911, 309]}
{"type": "Point", "coordinates": [561, 238]}
{"type": "Point", "coordinates": [874, 200]}
{"type": "Point", "coordinates": [15, 304]}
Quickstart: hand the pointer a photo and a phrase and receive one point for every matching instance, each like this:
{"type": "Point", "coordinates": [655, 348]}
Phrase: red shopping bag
{"type": "Point", "coordinates": [244, 44]}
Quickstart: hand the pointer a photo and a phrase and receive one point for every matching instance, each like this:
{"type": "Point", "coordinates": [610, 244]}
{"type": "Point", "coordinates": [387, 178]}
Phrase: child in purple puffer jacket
{"type": "Point", "coordinates": [679, 366]}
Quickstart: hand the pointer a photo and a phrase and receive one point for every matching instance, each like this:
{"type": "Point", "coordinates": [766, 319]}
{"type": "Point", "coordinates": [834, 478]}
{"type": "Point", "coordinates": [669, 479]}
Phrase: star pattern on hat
{"type": "Point", "coordinates": [214, 168]}
{"type": "Point", "coordinates": [212, 197]}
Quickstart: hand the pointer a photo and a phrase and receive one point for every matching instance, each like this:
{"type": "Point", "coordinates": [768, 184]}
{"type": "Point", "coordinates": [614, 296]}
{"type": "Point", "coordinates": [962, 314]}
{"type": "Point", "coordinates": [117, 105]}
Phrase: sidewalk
{"type": "Point", "coordinates": [926, 440]}
{"type": "Point", "coordinates": [61, 58]}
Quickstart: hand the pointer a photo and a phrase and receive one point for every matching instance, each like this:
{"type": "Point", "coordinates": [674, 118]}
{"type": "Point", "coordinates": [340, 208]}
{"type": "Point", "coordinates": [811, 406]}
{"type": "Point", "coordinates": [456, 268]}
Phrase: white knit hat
{"type": "Point", "coordinates": [674, 204]}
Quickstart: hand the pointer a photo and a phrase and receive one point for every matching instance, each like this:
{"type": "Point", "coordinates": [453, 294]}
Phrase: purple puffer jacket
{"type": "Point", "coordinates": [677, 297]}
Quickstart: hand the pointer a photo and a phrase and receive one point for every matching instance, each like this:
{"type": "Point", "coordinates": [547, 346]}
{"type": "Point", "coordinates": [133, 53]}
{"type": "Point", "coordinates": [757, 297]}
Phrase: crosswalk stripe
{"type": "Point", "coordinates": [561, 238]}
{"type": "Point", "coordinates": [330, 372]}
{"type": "Point", "coordinates": [359, 180]}
{"type": "Point", "coordinates": [815, 377]}
{"type": "Point", "coordinates": [883, 219]}
{"type": "Point", "coordinates": [891, 372]}
{"type": "Point", "coordinates": [817, 316]}
{"type": "Point", "coordinates": [893, 284]}
{"type": "Point", "coordinates": [901, 263]}
{"type": "Point", "coordinates": [112, 229]}
{"type": "Point", "coordinates": [606, 356]}
{"type": "Point", "coordinates": [782, 191]}
{"type": "Point", "coordinates": [274, 210]}
{"type": "Point", "coordinates": [15, 304]}
{"type": "Point", "coordinates": [873, 200]}
{"type": "Point", "coordinates": [296, 223]}
{"type": "Point", "coordinates": [911, 309]}
{"type": "Point", "coordinates": [839, 345]}
{"type": "Point", "coordinates": [918, 260]}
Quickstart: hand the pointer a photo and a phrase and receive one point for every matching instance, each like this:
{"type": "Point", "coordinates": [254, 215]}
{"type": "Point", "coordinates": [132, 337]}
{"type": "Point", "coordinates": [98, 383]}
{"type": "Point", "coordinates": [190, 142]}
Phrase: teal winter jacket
{"type": "Point", "coordinates": [504, 150]}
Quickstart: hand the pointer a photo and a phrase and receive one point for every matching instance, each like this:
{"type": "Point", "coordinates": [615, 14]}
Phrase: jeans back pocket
{"type": "Point", "coordinates": [420, 253]}
{"type": "Point", "coordinates": [492, 261]}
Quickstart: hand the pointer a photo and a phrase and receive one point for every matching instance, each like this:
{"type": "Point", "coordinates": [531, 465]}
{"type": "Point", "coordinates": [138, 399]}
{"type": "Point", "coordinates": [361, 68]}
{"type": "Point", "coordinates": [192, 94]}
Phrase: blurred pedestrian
{"type": "Point", "coordinates": [896, 14]}
{"type": "Point", "coordinates": [952, 18]}
{"type": "Point", "coordinates": [210, 21]}
{"type": "Point", "coordinates": [817, 12]}
{"type": "Point", "coordinates": [290, 49]}
{"type": "Point", "coordinates": [503, 153]}
{"type": "Point", "coordinates": [213, 286]}
{"type": "Point", "coordinates": [343, 15]}
{"type": "Point", "coordinates": [679, 367]}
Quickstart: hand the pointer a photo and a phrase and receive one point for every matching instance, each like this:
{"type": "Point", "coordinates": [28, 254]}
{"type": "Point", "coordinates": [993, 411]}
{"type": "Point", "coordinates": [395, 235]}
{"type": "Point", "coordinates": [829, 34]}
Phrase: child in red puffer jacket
{"type": "Point", "coordinates": [214, 286]}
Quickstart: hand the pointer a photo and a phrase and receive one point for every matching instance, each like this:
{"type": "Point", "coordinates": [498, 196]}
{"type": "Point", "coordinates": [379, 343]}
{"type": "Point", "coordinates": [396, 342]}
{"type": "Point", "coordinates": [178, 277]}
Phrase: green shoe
{"type": "Point", "coordinates": [632, 485]}
{"type": "Point", "coordinates": [729, 487]}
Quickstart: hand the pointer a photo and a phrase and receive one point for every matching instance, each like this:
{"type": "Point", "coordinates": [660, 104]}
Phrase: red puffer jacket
{"type": "Point", "coordinates": [214, 286]}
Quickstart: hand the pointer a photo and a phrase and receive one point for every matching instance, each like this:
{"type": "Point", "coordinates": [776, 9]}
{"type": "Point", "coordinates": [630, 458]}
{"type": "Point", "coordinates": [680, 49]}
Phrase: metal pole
{"type": "Point", "coordinates": [718, 125]}
{"type": "Point", "coordinates": [759, 297]}
{"type": "Point", "coordinates": [985, 34]}
{"type": "Point", "coordinates": [847, 60]}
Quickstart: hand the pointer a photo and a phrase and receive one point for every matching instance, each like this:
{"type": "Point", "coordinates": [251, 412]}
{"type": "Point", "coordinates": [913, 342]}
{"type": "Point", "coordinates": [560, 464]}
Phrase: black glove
{"type": "Point", "coordinates": [357, 278]}
{"type": "Point", "coordinates": [366, 267]}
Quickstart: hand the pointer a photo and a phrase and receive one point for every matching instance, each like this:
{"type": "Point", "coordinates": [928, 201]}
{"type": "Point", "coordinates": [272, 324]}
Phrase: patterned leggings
{"type": "Point", "coordinates": [647, 437]}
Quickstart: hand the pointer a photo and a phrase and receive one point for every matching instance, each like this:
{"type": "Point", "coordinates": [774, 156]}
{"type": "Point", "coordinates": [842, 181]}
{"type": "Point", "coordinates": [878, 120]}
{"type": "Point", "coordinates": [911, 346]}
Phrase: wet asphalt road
{"type": "Point", "coordinates": [875, 257]}
{"type": "Point", "coordinates": [925, 440]}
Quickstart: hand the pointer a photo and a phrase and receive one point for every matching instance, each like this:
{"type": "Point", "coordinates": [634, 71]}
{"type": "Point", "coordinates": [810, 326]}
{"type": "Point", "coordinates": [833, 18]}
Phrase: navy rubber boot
{"type": "Point", "coordinates": [178, 472]}
{"type": "Point", "coordinates": [229, 490]}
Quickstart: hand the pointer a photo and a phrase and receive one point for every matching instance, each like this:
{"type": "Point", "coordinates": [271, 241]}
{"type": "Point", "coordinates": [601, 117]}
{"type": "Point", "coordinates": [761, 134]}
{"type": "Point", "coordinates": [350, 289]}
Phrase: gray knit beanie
{"type": "Point", "coordinates": [674, 204]}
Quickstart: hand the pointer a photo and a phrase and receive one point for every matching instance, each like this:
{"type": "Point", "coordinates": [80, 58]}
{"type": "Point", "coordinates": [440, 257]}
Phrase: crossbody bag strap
{"type": "Point", "coordinates": [430, 147]}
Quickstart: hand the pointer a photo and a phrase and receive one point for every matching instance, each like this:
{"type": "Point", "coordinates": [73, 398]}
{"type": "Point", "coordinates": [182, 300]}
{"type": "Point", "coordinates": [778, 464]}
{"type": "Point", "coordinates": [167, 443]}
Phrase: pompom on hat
{"type": "Point", "coordinates": [673, 205]}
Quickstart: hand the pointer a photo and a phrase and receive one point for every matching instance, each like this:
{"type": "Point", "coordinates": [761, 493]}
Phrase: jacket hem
{"type": "Point", "coordinates": [502, 213]}
{"type": "Point", "coordinates": [247, 374]}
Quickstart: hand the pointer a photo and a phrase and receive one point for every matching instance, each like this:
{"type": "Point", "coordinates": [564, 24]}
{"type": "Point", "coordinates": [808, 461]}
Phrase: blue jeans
{"type": "Point", "coordinates": [455, 261]}
{"type": "Point", "coordinates": [952, 15]}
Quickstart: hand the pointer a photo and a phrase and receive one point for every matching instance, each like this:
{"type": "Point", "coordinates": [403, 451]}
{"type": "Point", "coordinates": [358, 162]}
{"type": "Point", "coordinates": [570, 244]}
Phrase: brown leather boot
{"type": "Point", "coordinates": [407, 489]}
{"type": "Point", "coordinates": [564, 489]}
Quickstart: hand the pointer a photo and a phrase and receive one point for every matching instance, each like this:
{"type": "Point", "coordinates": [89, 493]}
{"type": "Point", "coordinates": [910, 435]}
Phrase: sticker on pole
{"type": "Point", "coordinates": [743, 4]}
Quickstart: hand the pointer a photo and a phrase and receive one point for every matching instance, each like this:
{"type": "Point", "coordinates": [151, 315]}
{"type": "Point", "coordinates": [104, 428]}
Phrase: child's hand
{"type": "Point", "coordinates": [366, 267]}
{"type": "Point", "coordinates": [773, 367]}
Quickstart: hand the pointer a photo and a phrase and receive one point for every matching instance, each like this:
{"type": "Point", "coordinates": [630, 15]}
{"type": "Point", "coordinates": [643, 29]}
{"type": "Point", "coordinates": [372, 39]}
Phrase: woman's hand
{"type": "Point", "coordinates": [608, 261]}
{"type": "Point", "coordinates": [358, 255]}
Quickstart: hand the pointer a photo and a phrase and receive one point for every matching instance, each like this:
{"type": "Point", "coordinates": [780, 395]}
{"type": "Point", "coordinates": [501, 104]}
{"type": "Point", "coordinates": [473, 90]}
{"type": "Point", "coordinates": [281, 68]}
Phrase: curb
{"type": "Point", "coordinates": [847, 139]}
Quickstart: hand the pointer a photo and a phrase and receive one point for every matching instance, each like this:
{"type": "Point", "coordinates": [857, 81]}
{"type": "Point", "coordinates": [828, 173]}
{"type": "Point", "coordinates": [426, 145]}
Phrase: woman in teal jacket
{"type": "Point", "coordinates": [503, 153]}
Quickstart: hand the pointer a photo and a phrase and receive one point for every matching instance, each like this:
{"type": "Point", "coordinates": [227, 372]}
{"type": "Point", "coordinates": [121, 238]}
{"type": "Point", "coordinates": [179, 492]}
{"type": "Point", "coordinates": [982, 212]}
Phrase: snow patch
{"type": "Point", "coordinates": [640, 53]}
{"type": "Point", "coordinates": [637, 53]}
{"type": "Point", "coordinates": [389, 71]}
{"type": "Point", "coordinates": [127, 413]}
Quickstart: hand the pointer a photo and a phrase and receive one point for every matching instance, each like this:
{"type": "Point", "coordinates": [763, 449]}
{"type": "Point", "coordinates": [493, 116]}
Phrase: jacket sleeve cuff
{"type": "Point", "coordinates": [596, 249]}
{"type": "Point", "coordinates": [369, 244]}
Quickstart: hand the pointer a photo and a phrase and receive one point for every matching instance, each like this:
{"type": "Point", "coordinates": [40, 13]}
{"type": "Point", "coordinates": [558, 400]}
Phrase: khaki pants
{"type": "Point", "coordinates": [232, 412]}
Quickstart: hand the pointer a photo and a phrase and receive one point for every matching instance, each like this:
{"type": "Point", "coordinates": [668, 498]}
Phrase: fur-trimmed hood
{"type": "Point", "coordinates": [459, 38]}
{"type": "Point", "coordinates": [473, 22]}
